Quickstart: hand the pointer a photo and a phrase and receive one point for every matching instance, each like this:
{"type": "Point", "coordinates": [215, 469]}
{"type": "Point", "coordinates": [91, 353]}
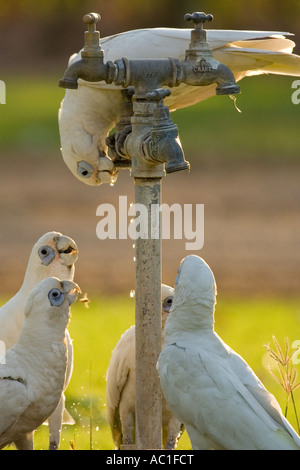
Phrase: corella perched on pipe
{"type": "Point", "coordinates": [208, 386]}
{"type": "Point", "coordinates": [89, 112]}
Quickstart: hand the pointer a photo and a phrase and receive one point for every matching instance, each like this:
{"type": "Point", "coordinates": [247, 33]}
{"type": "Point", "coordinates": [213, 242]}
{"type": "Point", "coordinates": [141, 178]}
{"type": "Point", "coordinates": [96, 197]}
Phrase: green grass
{"type": "Point", "coordinates": [267, 128]}
{"type": "Point", "coordinates": [244, 324]}
{"type": "Point", "coordinates": [28, 120]}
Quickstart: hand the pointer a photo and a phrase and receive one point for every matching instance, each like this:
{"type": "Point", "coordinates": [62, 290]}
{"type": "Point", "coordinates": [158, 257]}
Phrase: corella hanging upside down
{"type": "Point", "coordinates": [89, 113]}
{"type": "Point", "coordinates": [208, 386]}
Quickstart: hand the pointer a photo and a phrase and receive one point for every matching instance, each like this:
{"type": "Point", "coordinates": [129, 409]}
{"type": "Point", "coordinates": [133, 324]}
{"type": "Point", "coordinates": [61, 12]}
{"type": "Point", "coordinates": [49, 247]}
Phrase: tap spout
{"type": "Point", "coordinates": [205, 72]}
{"type": "Point", "coordinates": [91, 67]}
{"type": "Point", "coordinates": [199, 67]}
{"type": "Point", "coordinates": [226, 81]}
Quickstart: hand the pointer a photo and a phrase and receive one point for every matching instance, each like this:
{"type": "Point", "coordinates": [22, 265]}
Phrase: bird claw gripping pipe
{"type": "Point", "coordinates": [145, 137]}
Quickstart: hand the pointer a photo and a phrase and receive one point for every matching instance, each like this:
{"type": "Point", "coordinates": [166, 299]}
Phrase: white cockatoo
{"type": "Point", "coordinates": [208, 386]}
{"type": "Point", "coordinates": [121, 383]}
{"type": "Point", "coordinates": [32, 376]}
{"type": "Point", "coordinates": [53, 254]}
{"type": "Point", "coordinates": [89, 113]}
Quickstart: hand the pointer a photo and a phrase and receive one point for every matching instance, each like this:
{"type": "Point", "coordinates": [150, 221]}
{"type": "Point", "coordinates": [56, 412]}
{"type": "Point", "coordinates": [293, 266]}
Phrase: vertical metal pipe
{"type": "Point", "coordinates": [148, 322]}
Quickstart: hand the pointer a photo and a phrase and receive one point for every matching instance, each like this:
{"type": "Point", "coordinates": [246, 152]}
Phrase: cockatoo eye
{"type": "Point", "coordinates": [85, 169]}
{"type": "Point", "coordinates": [167, 303]}
{"type": "Point", "coordinates": [56, 297]}
{"type": "Point", "coordinates": [47, 254]}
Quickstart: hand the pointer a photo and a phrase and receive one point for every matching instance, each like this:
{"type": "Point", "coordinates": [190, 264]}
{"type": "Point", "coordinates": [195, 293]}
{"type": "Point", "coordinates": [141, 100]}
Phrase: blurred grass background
{"type": "Point", "coordinates": [266, 129]}
{"type": "Point", "coordinates": [245, 169]}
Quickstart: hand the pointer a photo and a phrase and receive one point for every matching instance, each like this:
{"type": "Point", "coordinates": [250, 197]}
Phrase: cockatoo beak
{"type": "Point", "coordinates": [67, 249]}
{"type": "Point", "coordinates": [72, 290]}
{"type": "Point", "coordinates": [107, 172]}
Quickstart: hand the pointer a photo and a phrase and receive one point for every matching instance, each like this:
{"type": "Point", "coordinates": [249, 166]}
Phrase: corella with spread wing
{"type": "Point", "coordinates": [33, 375]}
{"type": "Point", "coordinates": [53, 254]}
{"type": "Point", "coordinates": [89, 113]}
{"type": "Point", "coordinates": [208, 386]}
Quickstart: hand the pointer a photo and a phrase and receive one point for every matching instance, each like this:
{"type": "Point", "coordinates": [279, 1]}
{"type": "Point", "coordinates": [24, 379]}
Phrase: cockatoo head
{"type": "Point", "coordinates": [90, 165]}
{"type": "Point", "coordinates": [194, 293]}
{"type": "Point", "coordinates": [167, 300]}
{"type": "Point", "coordinates": [48, 304]}
{"type": "Point", "coordinates": [53, 254]}
{"type": "Point", "coordinates": [84, 125]}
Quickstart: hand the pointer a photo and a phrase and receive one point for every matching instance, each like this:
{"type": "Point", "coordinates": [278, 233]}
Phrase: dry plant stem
{"type": "Point", "coordinates": [287, 374]}
{"type": "Point", "coordinates": [295, 410]}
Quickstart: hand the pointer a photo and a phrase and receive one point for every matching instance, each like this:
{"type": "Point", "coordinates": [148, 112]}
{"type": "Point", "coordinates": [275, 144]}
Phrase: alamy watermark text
{"type": "Point", "coordinates": [2, 92]}
{"type": "Point", "coordinates": [136, 222]}
{"type": "Point", "coordinates": [296, 93]}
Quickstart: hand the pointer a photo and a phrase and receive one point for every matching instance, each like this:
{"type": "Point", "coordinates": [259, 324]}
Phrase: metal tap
{"type": "Point", "coordinates": [91, 67]}
{"type": "Point", "coordinates": [152, 139]}
{"type": "Point", "coordinates": [164, 144]}
{"type": "Point", "coordinates": [200, 67]}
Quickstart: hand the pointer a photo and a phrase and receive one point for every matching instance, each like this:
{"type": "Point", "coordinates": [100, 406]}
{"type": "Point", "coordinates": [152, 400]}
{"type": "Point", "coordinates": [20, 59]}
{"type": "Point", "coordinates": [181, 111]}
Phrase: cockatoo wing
{"type": "Point", "coordinates": [205, 394]}
{"type": "Point", "coordinates": [121, 363]}
{"type": "Point", "coordinates": [168, 42]}
{"type": "Point", "coordinates": [246, 62]}
{"type": "Point", "coordinates": [259, 392]}
{"type": "Point", "coordinates": [172, 42]}
{"type": "Point", "coordinates": [13, 402]}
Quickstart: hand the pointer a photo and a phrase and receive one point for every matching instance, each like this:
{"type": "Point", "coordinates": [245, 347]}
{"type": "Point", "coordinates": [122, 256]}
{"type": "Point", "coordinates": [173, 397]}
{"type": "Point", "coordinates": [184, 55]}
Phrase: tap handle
{"type": "Point", "coordinates": [91, 19]}
{"type": "Point", "coordinates": [158, 94]}
{"type": "Point", "coordinates": [198, 18]}
{"type": "Point", "coordinates": [92, 46]}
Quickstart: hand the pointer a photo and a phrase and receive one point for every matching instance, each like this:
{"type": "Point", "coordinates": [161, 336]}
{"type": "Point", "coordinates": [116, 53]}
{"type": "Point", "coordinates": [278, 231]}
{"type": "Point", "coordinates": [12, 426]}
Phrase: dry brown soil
{"type": "Point", "coordinates": [252, 224]}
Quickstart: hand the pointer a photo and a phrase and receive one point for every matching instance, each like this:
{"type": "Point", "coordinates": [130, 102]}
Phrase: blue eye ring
{"type": "Point", "coordinates": [56, 297]}
{"type": "Point", "coordinates": [167, 303]}
{"type": "Point", "coordinates": [84, 169]}
{"type": "Point", "coordinates": [46, 254]}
